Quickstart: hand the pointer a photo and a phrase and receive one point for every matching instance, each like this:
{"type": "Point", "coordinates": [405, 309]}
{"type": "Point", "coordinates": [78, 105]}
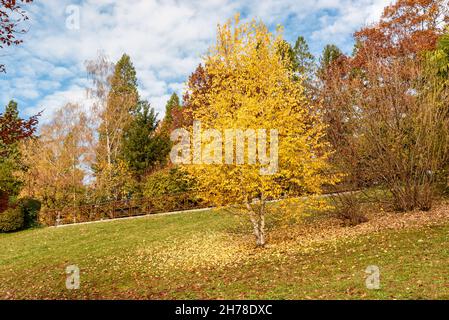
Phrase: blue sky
{"type": "Point", "coordinates": [165, 40]}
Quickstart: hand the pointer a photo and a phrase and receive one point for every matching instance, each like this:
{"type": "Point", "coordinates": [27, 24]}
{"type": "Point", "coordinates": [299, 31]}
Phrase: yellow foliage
{"type": "Point", "coordinates": [253, 88]}
{"type": "Point", "coordinates": [114, 181]}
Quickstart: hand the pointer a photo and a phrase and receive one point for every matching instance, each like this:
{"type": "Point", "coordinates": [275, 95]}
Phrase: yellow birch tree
{"type": "Point", "coordinates": [253, 104]}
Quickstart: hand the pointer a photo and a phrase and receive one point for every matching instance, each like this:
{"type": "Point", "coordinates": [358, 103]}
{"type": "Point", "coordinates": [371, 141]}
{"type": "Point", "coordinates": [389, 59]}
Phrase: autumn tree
{"type": "Point", "coordinates": [195, 97]}
{"type": "Point", "coordinates": [99, 71]}
{"type": "Point", "coordinates": [58, 161]}
{"type": "Point", "coordinates": [11, 16]}
{"type": "Point", "coordinates": [116, 101]}
{"type": "Point", "coordinates": [406, 28]}
{"type": "Point", "coordinates": [387, 127]}
{"type": "Point", "coordinates": [172, 109]}
{"type": "Point", "coordinates": [250, 87]}
{"type": "Point", "coordinates": [121, 102]}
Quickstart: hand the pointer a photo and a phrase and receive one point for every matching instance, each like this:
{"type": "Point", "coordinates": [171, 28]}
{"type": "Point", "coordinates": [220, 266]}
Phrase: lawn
{"type": "Point", "coordinates": [210, 255]}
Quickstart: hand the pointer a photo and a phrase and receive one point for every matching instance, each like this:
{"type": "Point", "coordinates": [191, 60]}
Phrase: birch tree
{"type": "Point", "coordinates": [253, 95]}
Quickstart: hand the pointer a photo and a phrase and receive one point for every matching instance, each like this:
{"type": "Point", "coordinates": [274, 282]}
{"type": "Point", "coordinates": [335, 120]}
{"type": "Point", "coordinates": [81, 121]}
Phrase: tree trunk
{"type": "Point", "coordinates": [108, 147]}
{"type": "Point", "coordinates": [261, 234]}
{"type": "Point", "coordinates": [262, 226]}
{"type": "Point", "coordinates": [258, 222]}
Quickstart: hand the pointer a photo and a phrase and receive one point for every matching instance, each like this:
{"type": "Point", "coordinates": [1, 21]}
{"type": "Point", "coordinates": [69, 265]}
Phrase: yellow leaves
{"type": "Point", "coordinates": [114, 181]}
{"type": "Point", "coordinates": [56, 160]}
{"type": "Point", "coordinates": [202, 250]}
{"type": "Point", "coordinates": [253, 88]}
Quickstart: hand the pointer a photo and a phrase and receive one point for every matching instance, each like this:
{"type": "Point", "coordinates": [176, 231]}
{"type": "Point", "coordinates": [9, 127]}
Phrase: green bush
{"type": "Point", "coordinates": [11, 220]}
{"type": "Point", "coordinates": [30, 208]}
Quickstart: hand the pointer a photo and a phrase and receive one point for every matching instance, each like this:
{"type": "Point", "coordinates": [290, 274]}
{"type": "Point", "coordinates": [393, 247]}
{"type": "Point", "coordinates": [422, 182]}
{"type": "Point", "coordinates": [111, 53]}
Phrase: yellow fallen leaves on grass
{"type": "Point", "coordinates": [202, 250]}
{"type": "Point", "coordinates": [214, 250]}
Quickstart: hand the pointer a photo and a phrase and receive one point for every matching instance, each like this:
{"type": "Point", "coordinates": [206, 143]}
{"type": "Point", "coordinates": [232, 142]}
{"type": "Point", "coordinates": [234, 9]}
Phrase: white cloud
{"type": "Point", "coordinates": [56, 100]}
{"type": "Point", "coordinates": [349, 19]}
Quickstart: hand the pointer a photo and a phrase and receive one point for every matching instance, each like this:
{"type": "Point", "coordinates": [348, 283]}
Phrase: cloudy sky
{"type": "Point", "coordinates": [165, 39]}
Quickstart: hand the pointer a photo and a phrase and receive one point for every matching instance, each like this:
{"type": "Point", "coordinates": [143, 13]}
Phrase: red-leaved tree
{"type": "Point", "coordinates": [387, 117]}
{"type": "Point", "coordinates": [14, 129]}
{"type": "Point", "coordinates": [11, 15]}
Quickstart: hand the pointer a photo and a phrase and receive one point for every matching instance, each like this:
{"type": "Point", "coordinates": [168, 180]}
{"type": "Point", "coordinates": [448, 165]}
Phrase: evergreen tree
{"type": "Point", "coordinates": [12, 109]}
{"type": "Point", "coordinates": [172, 104]}
{"type": "Point", "coordinates": [301, 61]}
{"type": "Point", "coordinates": [330, 53]}
{"type": "Point", "coordinates": [143, 148]}
{"type": "Point", "coordinates": [124, 80]}
{"type": "Point", "coordinates": [10, 160]}
{"type": "Point", "coordinates": [304, 60]}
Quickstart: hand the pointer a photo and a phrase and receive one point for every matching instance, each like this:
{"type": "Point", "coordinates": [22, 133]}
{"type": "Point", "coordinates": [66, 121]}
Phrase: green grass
{"type": "Point", "coordinates": [208, 255]}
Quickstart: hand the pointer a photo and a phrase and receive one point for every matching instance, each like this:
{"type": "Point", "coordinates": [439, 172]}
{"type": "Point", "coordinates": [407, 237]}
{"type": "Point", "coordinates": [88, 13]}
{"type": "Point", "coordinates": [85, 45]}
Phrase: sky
{"type": "Point", "coordinates": [165, 40]}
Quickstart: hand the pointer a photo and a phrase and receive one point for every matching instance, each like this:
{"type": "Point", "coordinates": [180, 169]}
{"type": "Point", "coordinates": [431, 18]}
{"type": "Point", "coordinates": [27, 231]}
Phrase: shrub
{"type": "Point", "coordinates": [348, 209]}
{"type": "Point", "coordinates": [11, 220]}
{"type": "Point", "coordinates": [4, 200]}
{"type": "Point", "coordinates": [389, 131]}
{"type": "Point", "coordinates": [30, 208]}
{"type": "Point", "coordinates": [167, 182]}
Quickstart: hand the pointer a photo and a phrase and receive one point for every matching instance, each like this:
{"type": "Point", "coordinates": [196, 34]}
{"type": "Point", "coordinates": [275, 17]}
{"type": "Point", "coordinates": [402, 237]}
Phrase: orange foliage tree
{"type": "Point", "coordinates": [384, 119]}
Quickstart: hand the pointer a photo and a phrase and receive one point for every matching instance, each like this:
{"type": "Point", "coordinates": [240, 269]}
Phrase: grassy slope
{"type": "Point", "coordinates": [199, 255]}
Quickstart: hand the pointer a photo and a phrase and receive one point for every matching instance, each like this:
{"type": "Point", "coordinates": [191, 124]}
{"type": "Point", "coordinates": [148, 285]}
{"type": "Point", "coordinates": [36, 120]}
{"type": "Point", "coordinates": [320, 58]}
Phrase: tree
{"type": "Point", "coordinates": [173, 114]}
{"type": "Point", "coordinates": [172, 107]}
{"type": "Point", "coordinates": [10, 160]}
{"type": "Point", "coordinates": [406, 28]}
{"type": "Point", "coordinates": [385, 120]}
{"type": "Point", "coordinates": [299, 58]}
{"type": "Point", "coordinates": [195, 97]}
{"type": "Point", "coordinates": [58, 160]}
{"type": "Point", "coordinates": [118, 100]}
{"type": "Point", "coordinates": [114, 182]}
{"type": "Point", "coordinates": [330, 54]}
{"type": "Point", "coordinates": [100, 71]}
{"type": "Point", "coordinates": [121, 102]}
{"type": "Point", "coordinates": [440, 57]}
{"type": "Point", "coordinates": [13, 129]}
{"type": "Point", "coordinates": [304, 59]}
{"type": "Point", "coordinates": [250, 87]}
{"type": "Point", "coordinates": [11, 15]}
{"type": "Point", "coordinates": [143, 148]}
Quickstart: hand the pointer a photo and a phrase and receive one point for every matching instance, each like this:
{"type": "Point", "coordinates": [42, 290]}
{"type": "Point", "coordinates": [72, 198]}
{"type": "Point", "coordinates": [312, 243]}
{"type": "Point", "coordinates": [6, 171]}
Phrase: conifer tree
{"type": "Point", "coordinates": [143, 147]}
